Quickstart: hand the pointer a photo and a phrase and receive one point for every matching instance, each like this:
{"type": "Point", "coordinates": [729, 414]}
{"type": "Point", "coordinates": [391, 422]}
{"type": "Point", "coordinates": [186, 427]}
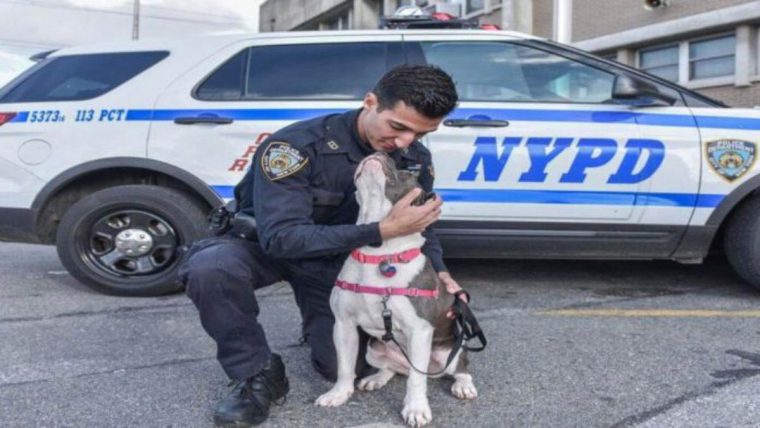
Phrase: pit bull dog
{"type": "Point", "coordinates": [395, 277]}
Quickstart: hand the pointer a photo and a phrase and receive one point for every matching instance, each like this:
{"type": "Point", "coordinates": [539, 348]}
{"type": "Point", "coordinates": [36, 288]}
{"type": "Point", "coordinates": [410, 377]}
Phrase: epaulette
{"type": "Point", "coordinates": [301, 134]}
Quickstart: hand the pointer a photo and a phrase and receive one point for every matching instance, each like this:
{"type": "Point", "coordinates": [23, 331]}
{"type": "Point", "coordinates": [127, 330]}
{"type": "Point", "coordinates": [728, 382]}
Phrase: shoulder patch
{"type": "Point", "coordinates": [281, 160]}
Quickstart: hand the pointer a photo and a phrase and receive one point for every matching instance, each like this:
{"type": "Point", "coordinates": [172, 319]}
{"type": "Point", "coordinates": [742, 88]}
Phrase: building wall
{"type": "Point", "coordinates": [543, 18]}
{"type": "Point", "coordinates": [366, 13]}
{"type": "Point", "coordinates": [592, 20]}
{"type": "Point", "coordinates": [492, 18]}
{"type": "Point", "coordinates": [625, 27]}
{"type": "Point", "coordinates": [733, 96]}
{"type": "Point", "coordinates": [284, 15]}
{"type": "Point", "coordinates": [595, 18]}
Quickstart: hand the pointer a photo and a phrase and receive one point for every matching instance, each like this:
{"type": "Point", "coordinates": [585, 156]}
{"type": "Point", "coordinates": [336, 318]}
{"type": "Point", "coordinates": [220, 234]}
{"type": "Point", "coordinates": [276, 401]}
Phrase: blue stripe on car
{"type": "Point", "coordinates": [560, 197]}
{"type": "Point", "coordinates": [20, 117]}
{"type": "Point", "coordinates": [236, 114]}
{"type": "Point", "coordinates": [539, 115]}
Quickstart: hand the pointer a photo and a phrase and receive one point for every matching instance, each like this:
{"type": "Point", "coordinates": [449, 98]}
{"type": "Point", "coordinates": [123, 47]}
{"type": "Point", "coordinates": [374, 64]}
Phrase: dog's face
{"type": "Point", "coordinates": [379, 185]}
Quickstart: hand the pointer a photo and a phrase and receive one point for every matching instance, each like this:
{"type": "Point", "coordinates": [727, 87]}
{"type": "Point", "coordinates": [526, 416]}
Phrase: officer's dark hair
{"type": "Point", "coordinates": [426, 88]}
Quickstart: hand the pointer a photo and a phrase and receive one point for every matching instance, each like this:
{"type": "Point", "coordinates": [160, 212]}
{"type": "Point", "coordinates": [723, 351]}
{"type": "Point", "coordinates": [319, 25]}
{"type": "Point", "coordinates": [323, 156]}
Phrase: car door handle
{"type": "Point", "coordinates": [490, 123]}
{"type": "Point", "coordinates": [204, 118]}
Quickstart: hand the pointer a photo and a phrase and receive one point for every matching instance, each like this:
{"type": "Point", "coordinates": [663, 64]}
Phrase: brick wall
{"type": "Point", "coordinates": [735, 97]}
{"type": "Point", "coordinates": [543, 18]}
{"type": "Point", "coordinates": [287, 14]}
{"type": "Point", "coordinates": [596, 18]}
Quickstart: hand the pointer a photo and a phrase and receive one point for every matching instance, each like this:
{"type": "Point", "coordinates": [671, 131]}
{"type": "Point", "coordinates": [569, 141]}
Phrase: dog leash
{"type": "Point", "coordinates": [466, 327]}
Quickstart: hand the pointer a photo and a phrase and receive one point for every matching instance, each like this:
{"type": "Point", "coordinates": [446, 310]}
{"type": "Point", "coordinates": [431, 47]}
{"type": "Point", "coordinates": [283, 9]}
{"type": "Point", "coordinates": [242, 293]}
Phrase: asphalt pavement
{"type": "Point", "coordinates": [571, 344]}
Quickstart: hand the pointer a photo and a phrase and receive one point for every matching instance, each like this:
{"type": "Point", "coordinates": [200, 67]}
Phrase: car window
{"type": "Point", "coordinates": [226, 82]}
{"type": "Point", "coordinates": [315, 71]}
{"type": "Point", "coordinates": [676, 95]}
{"type": "Point", "coordinates": [695, 102]}
{"type": "Point", "coordinates": [80, 77]}
{"type": "Point", "coordinates": [496, 71]}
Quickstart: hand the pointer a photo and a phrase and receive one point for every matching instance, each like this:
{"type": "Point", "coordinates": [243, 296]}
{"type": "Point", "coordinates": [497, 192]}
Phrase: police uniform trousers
{"type": "Point", "coordinates": [220, 275]}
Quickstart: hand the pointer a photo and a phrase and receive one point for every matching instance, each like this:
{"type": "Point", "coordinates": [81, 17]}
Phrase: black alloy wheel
{"type": "Point", "coordinates": [128, 240]}
{"type": "Point", "coordinates": [129, 243]}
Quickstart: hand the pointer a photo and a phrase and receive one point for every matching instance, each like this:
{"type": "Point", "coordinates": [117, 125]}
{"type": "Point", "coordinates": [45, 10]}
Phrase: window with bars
{"type": "Point", "coordinates": [712, 58]}
{"type": "Point", "coordinates": [660, 61]}
{"type": "Point", "coordinates": [691, 60]}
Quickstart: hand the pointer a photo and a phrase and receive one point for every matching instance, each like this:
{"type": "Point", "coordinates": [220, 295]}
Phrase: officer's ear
{"type": "Point", "coordinates": [370, 101]}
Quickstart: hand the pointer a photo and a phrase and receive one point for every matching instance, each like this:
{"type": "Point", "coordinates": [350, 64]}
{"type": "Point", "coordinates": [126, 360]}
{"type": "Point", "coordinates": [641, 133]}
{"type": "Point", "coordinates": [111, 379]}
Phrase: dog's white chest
{"type": "Point", "coordinates": [366, 309]}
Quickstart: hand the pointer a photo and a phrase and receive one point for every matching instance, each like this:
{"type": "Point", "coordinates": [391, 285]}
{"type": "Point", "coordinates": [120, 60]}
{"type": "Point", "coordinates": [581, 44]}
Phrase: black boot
{"type": "Point", "coordinates": [248, 403]}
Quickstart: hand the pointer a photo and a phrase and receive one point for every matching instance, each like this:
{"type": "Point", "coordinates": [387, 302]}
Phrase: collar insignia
{"type": "Point", "coordinates": [281, 160]}
{"type": "Point", "coordinates": [332, 144]}
{"type": "Point", "coordinates": [730, 158]}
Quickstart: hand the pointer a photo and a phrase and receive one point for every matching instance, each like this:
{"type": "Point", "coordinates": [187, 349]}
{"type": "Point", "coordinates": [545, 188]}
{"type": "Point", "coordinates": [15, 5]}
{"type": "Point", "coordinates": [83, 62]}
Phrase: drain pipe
{"type": "Point", "coordinates": [563, 21]}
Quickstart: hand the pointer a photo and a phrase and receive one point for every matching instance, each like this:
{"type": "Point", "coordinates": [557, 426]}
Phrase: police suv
{"type": "Point", "coordinates": [116, 153]}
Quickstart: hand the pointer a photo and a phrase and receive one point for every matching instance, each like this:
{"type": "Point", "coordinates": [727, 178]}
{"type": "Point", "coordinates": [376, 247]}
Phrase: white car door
{"type": "Point", "coordinates": [211, 120]}
{"type": "Point", "coordinates": [538, 140]}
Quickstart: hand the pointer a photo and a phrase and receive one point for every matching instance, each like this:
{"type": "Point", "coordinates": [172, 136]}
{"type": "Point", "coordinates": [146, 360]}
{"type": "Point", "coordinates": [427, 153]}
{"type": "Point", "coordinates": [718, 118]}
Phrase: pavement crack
{"type": "Point", "coordinates": [111, 371]}
{"type": "Point", "coordinates": [742, 373]}
{"type": "Point", "coordinates": [730, 376]}
{"type": "Point", "coordinates": [276, 292]}
{"type": "Point", "coordinates": [651, 413]}
{"type": "Point", "coordinates": [118, 310]}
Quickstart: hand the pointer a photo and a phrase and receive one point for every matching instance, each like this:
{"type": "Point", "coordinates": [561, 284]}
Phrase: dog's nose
{"type": "Point", "coordinates": [373, 165]}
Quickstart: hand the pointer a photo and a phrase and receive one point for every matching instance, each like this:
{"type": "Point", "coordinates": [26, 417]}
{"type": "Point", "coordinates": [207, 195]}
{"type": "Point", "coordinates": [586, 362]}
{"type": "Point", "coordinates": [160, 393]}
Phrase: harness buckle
{"type": "Point", "coordinates": [387, 323]}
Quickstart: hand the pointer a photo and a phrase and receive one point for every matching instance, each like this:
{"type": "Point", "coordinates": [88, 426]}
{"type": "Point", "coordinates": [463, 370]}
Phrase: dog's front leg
{"type": "Point", "coordinates": [416, 410]}
{"type": "Point", "coordinates": [346, 339]}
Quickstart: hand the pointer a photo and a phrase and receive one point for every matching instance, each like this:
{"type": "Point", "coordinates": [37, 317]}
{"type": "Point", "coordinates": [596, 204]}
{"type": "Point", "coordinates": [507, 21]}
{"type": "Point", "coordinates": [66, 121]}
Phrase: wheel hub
{"type": "Point", "coordinates": [134, 242]}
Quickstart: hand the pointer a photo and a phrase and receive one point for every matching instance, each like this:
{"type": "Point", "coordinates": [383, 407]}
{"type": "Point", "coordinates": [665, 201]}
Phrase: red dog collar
{"type": "Point", "coordinates": [387, 291]}
{"type": "Point", "coordinates": [402, 257]}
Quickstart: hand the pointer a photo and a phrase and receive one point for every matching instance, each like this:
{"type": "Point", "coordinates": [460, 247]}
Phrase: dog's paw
{"type": "Point", "coordinates": [464, 389]}
{"type": "Point", "coordinates": [334, 397]}
{"type": "Point", "coordinates": [416, 413]}
{"type": "Point", "coordinates": [376, 381]}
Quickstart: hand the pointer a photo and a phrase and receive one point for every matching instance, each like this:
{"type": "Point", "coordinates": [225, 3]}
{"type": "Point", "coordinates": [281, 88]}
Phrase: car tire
{"type": "Point", "coordinates": [742, 241]}
{"type": "Point", "coordinates": [128, 240]}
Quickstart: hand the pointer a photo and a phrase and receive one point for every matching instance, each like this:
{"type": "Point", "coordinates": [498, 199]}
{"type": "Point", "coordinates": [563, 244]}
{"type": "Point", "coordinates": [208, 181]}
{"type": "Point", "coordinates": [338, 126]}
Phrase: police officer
{"type": "Point", "coordinates": [300, 191]}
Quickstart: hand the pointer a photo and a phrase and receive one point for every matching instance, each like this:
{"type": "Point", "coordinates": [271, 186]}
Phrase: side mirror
{"type": "Point", "coordinates": [639, 93]}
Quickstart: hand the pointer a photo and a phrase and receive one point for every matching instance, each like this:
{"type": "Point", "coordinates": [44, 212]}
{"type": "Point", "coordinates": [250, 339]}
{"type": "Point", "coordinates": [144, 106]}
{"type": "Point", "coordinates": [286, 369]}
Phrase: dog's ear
{"type": "Point", "coordinates": [401, 184]}
{"type": "Point", "coordinates": [408, 179]}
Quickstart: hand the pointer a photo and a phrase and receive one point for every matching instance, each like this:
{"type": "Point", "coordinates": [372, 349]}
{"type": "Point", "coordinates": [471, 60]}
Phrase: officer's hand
{"type": "Point", "coordinates": [452, 287]}
{"type": "Point", "coordinates": [405, 219]}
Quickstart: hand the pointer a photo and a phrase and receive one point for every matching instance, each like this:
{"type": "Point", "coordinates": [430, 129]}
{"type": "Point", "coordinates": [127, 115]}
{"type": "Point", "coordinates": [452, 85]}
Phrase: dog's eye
{"type": "Point", "coordinates": [392, 179]}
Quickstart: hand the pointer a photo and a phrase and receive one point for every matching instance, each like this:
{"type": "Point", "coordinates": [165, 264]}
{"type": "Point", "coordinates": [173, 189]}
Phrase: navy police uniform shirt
{"type": "Point", "coordinates": [300, 189]}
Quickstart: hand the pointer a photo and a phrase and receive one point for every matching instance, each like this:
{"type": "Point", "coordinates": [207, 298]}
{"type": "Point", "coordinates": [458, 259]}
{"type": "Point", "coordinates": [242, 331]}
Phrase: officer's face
{"type": "Point", "coordinates": [392, 129]}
